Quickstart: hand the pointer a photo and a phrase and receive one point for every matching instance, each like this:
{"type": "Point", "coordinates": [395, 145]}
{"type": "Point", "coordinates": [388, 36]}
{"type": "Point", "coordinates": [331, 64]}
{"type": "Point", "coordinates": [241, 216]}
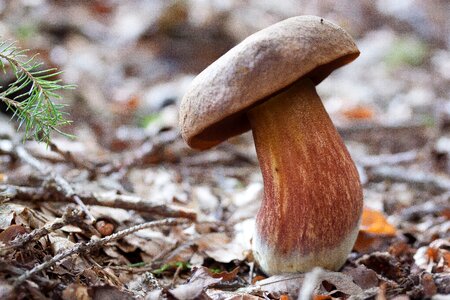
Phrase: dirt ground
{"type": "Point", "coordinates": [127, 210]}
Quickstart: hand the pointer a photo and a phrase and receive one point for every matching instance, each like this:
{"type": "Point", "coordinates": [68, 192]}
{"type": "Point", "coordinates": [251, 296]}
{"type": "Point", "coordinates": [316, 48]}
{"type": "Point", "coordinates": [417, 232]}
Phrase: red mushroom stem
{"type": "Point", "coordinates": [312, 194]}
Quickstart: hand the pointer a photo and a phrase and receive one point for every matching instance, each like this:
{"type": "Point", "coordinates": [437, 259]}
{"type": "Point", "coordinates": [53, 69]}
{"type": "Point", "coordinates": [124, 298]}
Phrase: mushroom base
{"type": "Point", "coordinates": [312, 195]}
{"type": "Point", "coordinates": [271, 262]}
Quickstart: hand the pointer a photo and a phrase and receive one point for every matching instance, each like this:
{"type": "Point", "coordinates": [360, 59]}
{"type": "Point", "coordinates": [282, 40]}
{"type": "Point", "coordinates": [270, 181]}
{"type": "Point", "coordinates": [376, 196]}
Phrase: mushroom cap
{"type": "Point", "coordinates": [214, 107]}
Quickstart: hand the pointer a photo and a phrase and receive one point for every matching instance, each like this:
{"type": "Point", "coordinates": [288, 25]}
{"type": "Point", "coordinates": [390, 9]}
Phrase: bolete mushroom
{"type": "Point", "coordinates": [312, 194]}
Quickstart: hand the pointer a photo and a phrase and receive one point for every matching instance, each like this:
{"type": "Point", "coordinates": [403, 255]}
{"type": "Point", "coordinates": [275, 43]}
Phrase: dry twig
{"type": "Point", "coordinates": [127, 202]}
{"type": "Point", "coordinates": [141, 154]}
{"type": "Point", "coordinates": [48, 172]}
{"type": "Point", "coordinates": [387, 159]}
{"type": "Point", "coordinates": [411, 176]}
{"type": "Point", "coordinates": [68, 157]}
{"type": "Point", "coordinates": [36, 234]}
{"type": "Point", "coordinates": [94, 244]}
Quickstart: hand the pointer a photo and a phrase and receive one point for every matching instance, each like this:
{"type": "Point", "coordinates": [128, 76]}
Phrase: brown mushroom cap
{"type": "Point", "coordinates": [266, 62]}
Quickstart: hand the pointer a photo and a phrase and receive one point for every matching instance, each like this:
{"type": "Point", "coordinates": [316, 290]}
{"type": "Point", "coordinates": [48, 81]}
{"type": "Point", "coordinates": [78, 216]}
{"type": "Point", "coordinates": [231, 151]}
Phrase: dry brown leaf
{"type": "Point", "coordinates": [108, 292]}
{"type": "Point", "coordinates": [447, 259]}
{"type": "Point", "coordinates": [374, 222]}
{"type": "Point", "coordinates": [257, 278]}
{"type": "Point", "coordinates": [31, 218]}
{"type": "Point", "coordinates": [359, 113]}
{"type": "Point", "coordinates": [363, 277]}
{"type": "Point", "coordinates": [322, 297]}
{"type": "Point", "coordinates": [226, 276]}
{"type": "Point", "coordinates": [76, 291]}
{"type": "Point", "coordinates": [59, 244]}
{"type": "Point", "coordinates": [7, 213]}
{"type": "Point", "coordinates": [429, 287]}
{"type": "Point", "coordinates": [221, 247]}
{"type": "Point", "coordinates": [383, 264]}
{"type": "Point", "coordinates": [10, 233]}
{"type": "Point", "coordinates": [374, 230]}
{"type": "Point", "coordinates": [151, 243]}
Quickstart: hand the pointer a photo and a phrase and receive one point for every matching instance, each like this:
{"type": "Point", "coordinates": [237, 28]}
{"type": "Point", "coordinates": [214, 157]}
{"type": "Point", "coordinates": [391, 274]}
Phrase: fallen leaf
{"type": "Point", "coordinates": [401, 297]}
{"type": "Point", "coordinates": [196, 285]}
{"type": "Point", "coordinates": [281, 284]}
{"type": "Point", "coordinates": [322, 297]}
{"type": "Point", "coordinates": [384, 264]}
{"type": "Point", "coordinates": [374, 222]}
{"type": "Point", "coordinates": [7, 213]}
{"type": "Point", "coordinates": [222, 248]}
{"type": "Point", "coordinates": [226, 276]}
{"type": "Point", "coordinates": [154, 295]}
{"type": "Point", "coordinates": [291, 283]}
{"type": "Point", "coordinates": [359, 113]}
{"type": "Point", "coordinates": [10, 233]}
{"type": "Point", "coordinates": [6, 290]}
{"type": "Point", "coordinates": [374, 231]}
{"type": "Point", "coordinates": [257, 278]}
{"type": "Point", "coordinates": [432, 253]}
{"type": "Point", "coordinates": [435, 257]}
{"type": "Point", "coordinates": [401, 250]}
{"type": "Point", "coordinates": [216, 294]}
{"type": "Point", "coordinates": [363, 277]}
{"type": "Point", "coordinates": [447, 259]}
{"type": "Point", "coordinates": [429, 287]}
{"type": "Point", "coordinates": [76, 292]}
{"type": "Point", "coordinates": [243, 297]}
{"type": "Point", "coordinates": [151, 243]}
{"type": "Point", "coordinates": [108, 292]}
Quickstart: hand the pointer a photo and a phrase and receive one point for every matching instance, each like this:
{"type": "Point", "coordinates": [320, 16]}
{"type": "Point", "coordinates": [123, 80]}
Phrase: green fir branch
{"type": "Point", "coordinates": [38, 113]}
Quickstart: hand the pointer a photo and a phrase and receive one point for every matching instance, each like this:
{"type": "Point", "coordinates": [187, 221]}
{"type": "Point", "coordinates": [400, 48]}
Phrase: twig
{"type": "Point", "coordinates": [366, 127]}
{"type": "Point", "coordinates": [175, 276]}
{"type": "Point", "coordinates": [387, 159]}
{"type": "Point", "coordinates": [141, 154]}
{"type": "Point", "coordinates": [68, 156]}
{"type": "Point", "coordinates": [94, 244]}
{"type": "Point", "coordinates": [11, 192]}
{"type": "Point", "coordinates": [61, 182]}
{"type": "Point", "coordinates": [411, 176]}
{"type": "Point", "coordinates": [36, 234]}
{"type": "Point", "coordinates": [432, 206]}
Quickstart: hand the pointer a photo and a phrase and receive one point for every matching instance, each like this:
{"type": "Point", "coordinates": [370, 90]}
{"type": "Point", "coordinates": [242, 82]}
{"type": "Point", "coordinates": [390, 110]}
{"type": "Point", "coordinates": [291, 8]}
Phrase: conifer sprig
{"type": "Point", "coordinates": [31, 97]}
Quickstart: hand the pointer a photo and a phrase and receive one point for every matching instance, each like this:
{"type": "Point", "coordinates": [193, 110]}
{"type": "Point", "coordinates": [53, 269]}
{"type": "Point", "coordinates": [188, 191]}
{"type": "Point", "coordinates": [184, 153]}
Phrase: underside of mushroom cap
{"type": "Point", "coordinates": [214, 108]}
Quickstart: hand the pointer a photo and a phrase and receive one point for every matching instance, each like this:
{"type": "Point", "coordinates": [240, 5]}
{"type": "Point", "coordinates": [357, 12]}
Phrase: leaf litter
{"type": "Point", "coordinates": [130, 167]}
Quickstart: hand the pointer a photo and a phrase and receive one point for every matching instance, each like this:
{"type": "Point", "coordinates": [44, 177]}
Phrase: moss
{"type": "Point", "coordinates": [406, 51]}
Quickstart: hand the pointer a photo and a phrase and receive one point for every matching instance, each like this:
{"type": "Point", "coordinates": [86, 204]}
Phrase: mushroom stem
{"type": "Point", "coordinates": [309, 215]}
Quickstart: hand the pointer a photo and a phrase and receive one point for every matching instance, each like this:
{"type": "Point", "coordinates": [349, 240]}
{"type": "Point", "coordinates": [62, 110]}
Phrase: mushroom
{"type": "Point", "coordinates": [312, 202]}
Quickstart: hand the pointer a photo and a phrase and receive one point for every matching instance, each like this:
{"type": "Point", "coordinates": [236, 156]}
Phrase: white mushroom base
{"type": "Point", "coordinates": [272, 262]}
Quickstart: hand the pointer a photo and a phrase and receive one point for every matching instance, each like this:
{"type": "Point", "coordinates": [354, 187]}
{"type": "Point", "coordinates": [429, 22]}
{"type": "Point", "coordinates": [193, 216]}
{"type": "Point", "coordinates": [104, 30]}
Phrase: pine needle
{"type": "Point", "coordinates": [38, 114]}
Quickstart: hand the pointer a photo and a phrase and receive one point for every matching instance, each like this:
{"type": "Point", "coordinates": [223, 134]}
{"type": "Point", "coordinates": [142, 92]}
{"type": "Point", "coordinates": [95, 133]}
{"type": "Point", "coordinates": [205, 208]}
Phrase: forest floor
{"type": "Point", "coordinates": [127, 211]}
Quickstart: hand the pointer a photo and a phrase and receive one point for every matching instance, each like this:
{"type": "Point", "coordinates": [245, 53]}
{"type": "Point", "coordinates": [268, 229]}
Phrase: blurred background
{"type": "Point", "coordinates": [133, 60]}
